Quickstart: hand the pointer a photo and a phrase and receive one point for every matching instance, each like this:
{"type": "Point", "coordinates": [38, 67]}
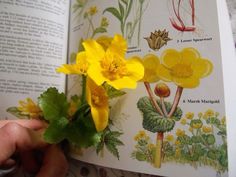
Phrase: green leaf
{"type": "Point", "coordinates": [99, 30]}
{"type": "Point", "coordinates": [113, 149]}
{"type": "Point", "coordinates": [114, 12]}
{"type": "Point", "coordinates": [14, 111]}
{"type": "Point", "coordinates": [129, 8]}
{"type": "Point", "coordinates": [121, 10]}
{"type": "Point", "coordinates": [53, 104]}
{"type": "Point", "coordinates": [56, 131]}
{"type": "Point", "coordinates": [140, 156]}
{"type": "Point", "coordinates": [112, 92]}
{"type": "Point", "coordinates": [152, 120]}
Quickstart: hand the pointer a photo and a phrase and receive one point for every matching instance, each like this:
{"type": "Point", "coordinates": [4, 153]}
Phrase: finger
{"type": "Point", "coordinates": [14, 137]}
{"type": "Point", "coordinates": [54, 163]}
{"type": "Point", "coordinates": [32, 124]}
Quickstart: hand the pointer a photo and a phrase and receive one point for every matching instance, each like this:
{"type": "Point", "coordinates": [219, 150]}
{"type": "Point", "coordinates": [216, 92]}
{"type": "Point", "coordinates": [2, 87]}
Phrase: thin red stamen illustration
{"type": "Point", "coordinates": [180, 26]}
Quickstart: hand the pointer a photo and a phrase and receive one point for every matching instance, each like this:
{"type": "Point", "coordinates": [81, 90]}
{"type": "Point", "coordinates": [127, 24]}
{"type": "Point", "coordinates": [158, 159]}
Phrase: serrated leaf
{"type": "Point", "coordinates": [14, 111]}
{"type": "Point", "coordinates": [56, 131]}
{"type": "Point", "coordinates": [53, 104]}
{"type": "Point", "coordinates": [113, 149]}
{"type": "Point", "coordinates": [114, 12]}
{"type": "Point", "coordinates": [114, 134]}
{"type": "Point", "coordinates": [112, 92]}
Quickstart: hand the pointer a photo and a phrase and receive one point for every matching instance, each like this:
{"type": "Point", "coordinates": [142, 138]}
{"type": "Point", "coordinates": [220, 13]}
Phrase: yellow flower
{"type": "Point", "coordinates": [151, 146]}
{"type": "Point", "coordinates": [184, 68]}
{"type": "Point", "coordinates": [206, 129]}
{"type": "Point", "coordinates": [169, 138]}
{"type": "Point", "coordinates": [189, 115]}
{"type": "Point", "coordinates": [209, 113]}
{"type": "Point", "coordinates": [104, 22]}
{"type": "Point", "coordinates": [142, 134]}
{"type": "Point", "coordinates": [93, 10]}
{"type": "Point", "coordinates": [177, 142]}
{"type": "Point", "coordinates": [104, 41]}
{"type": "Point", "coordinates": [150, 63]}
{"type": "Point", "coordinates": [180, 132]}
{"type": "Point", "coordinates": [29, 108]}
{"type": "Point", "coordinates": [98, 100]}
{"type": "Point", "coordinates": [80, 67]}
{"type": "Point", "coordinates": [111, 66]}
{"type": "Point", "coordinates": [223, 120]}
{"type": "Point", "coordinates": [183, 121]}
{"type": "Point", "coordinates": [136, 138]}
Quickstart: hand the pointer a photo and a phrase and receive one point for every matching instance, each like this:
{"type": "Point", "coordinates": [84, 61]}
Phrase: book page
{"type": "Point", "coordinates": [186, 135]}
{"type": "Point", "coordinates": [33, 43]}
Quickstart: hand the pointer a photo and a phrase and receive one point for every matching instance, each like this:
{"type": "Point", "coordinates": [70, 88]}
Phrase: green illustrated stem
{"type": "Point", "coordinates": [176, 100]}
{"type": "Point", "coordinates": [152, 98]}
{"type": "Point", "coordinates": [158, 151]}
{"type": "Point", "coordinates": [83, 97]}
{"type": "Point", "coordinates": [163, 106]}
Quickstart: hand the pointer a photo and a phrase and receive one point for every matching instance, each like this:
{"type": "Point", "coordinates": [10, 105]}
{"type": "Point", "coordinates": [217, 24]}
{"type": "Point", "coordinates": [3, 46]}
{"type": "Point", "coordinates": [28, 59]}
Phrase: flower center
{"type": "Point", "coordinates": [99, 97]}
{"type": "Point", "coordinates": [113, 67]}
{"type": "Point", "coordinates": [181, 70]}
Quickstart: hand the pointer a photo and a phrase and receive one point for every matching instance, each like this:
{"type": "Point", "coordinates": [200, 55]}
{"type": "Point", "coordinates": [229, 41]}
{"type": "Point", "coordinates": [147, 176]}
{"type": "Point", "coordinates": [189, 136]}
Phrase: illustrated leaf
{"type": "Point", "coordinates": [99, 30]}
{"type": "Point", "coordinates": [121, 10]}
{"type": "Point", "coordinates": [114, 12]}
{"type": "Point", "coordinates": [129, 8]}
{"type": "Point", "coordinates": [14, 111]}
{"type": "Point", "coordinates": [112, 92]}
{"type": "Point", "coordinates": [125, 2]}
{"type": "Point", "coordinates": [53, 104]}
{"type": "Point", "coordinates": [152, 120]}
{"type": "Point", "coordinates": [56, 131]}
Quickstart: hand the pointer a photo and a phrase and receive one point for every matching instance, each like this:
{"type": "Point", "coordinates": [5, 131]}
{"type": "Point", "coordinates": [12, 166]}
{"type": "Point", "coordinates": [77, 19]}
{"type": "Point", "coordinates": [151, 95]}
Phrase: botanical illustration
{"type": "Point", "coordinates": [196, 144]}
{"type": "Point", "coordinates": [182, 10]}
{"type": "Point", "coordinates": [158, 39]}
{"type": "Point", "coordinates": [84, 121]}
{"type": "Point", "coordinates": [185, 69]}
{"type": "Point", "coordinates": [79, 7]}
{"type": "Point", "coordinates": [129, 25]}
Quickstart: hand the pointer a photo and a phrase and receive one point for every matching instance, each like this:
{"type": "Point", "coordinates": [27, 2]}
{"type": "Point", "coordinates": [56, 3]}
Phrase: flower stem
{"type": "Point", "coordinates": [158, 151]}
{"type": "Point", "coordinates": [83, 97]}
{"type": "Point", "coordinates": [176, 100]}
{"type": "Point", "coordinates": [152, 98]}
{"type": "Point", "coordinates": [163, 106]}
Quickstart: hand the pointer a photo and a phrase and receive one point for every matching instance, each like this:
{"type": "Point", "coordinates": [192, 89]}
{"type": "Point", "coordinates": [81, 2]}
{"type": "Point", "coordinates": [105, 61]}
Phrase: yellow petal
{"type": "Point", "coordinates": [190, 82]}
{"type": "Point", "coordinates": [164, 73]}
{"type": "Point", "coordinates": [118, 45]}
{"type": "Point", "coordinates": [202, 68]}
{"type": "Point", "coordinates": [189, 55]}
{"type": "Point", "coordinates": [81, 57]}
{"type": "Point", "coordinates": [124, 82]}
{"type": "Point", "coordinates": [135, 68]}
{"type": "Point", "coordinates": [170, 57]}
{"type": "Point", "coordinates": [151, 63]}
{"type": "Point", "coordinates": [95, 73]}
{"type": "Point", "coordinates": [94, 51]}
{"type": "Point", "coordinates": [69, 69]}
{"type": "Point", "coordinates": [100, 118]}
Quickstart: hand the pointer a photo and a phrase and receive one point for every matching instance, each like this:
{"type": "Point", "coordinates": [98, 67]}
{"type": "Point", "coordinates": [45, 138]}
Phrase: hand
{"type": "Point", "coordinates": [24, 139]}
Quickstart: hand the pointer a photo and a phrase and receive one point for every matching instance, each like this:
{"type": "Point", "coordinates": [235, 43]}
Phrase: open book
{"type": "Point", "coordinates": [198, 140]}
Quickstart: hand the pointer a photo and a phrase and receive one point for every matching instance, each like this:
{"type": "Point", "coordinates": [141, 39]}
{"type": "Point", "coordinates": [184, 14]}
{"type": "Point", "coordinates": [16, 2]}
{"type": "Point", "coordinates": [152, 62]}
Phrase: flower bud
{"type": "Point", "coordinates": [162, 90]}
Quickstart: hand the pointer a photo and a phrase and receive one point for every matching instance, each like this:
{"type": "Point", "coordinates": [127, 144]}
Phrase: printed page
{"type": "Point", "coordinates": [33, 43]}
{"type": "Point", "coordinates": [174, 124]}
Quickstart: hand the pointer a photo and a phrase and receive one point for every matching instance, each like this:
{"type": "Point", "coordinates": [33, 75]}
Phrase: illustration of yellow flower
{"type": "Point", "coordinates": [206, 129]}
{"type": "Point", "coordinates": [180, 132]}
{"type": "Point", "coordinates": [200, 115]}
{"type": "Point", "coordinates": [142, 134]}
{"type": "Point", "coordinates": [197, 123]}
{"type": "Point", "coordinates": [136, 138]}
{"type": "Point", "coordinates": [184, 68]}
{"type": "Point", "coordinates": [223, 120]}
{"type": "Point", "coordinates": [177, 152]}
{"type": "Point", "coordinates": [189, 115]}
{"type": "Point", "coordinates": [177, 142]}
{"type": "Point", "coordinates": [151, 146]}
{"type": "Point", "coordinates": [93, 10]}
{"type": "Point", "coordinates": [183, 121]}
{"type": "Point", "coordinates": [150, 63]}
{"type": "Point", "coordinates": [111, 66]}
{"type": "Point", "coordinates": [169, 138]}
{"type": "Point", "coordinates": [80, 67]}
{"type": "Point", "coordinates": [104, 22]}
{"type": "Point", "coordinates": [208, 113]}
{"type": "Point", "coordinates": [29, 108]}
{"type": "Point", "coordinates": [98, 100]}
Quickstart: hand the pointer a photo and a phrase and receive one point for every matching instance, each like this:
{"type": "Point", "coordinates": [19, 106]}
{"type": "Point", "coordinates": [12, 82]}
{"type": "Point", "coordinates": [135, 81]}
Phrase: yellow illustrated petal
{"type": "Point", "coordinates": [164, 73]}
{"type": "Point", "coordinates": [202, 68]}
{"type": "Point", "coordinates": [94, 50]}
{"type": "Point", "coordinates": [190, 82]}
{"type": "Point", "coordinates": [151, 63]}
{"type": "Point", "coordinates": [189, 55]}
{"type": "Point", "coordinates": [170, 57]}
